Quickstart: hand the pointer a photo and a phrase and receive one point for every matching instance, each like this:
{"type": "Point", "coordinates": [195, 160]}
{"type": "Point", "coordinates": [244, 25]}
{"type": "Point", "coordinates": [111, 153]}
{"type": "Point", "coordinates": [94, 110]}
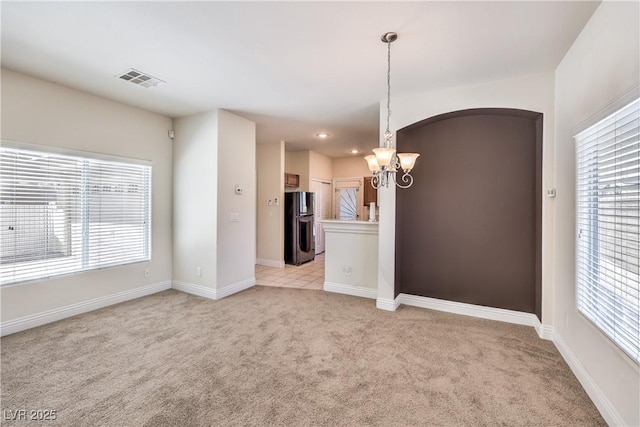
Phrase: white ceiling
{"type": "Point", "coordinates": [295, 68]}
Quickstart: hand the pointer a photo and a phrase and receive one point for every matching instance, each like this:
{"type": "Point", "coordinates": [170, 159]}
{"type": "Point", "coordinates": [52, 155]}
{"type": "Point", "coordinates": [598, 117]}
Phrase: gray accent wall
{"type": "Point", "coordinates": [468, 230]}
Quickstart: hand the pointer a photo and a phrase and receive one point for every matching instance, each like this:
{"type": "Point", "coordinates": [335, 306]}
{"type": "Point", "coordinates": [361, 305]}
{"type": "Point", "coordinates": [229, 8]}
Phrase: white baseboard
{"type": "Point", "coordinates": [38, 319]}
{"type": "Point", "coordinates": [270, 262]}
{"type": "Point", "coordinates": [607, 410]}
{"type": "Point", "coordinates": [356, 291]}
{"type": "Point", "coordinates": [388, 304]}
{"type": "Point", "coordinates": [235, 287]}
{"type": "Point", "coordinates": [491, 313]}
{"type": "Point", "coordinates": [193, 289]}
{"type": "Point", "coordinates": [206, 292]}
{"type": "Point", "coordinates": [544, 331]}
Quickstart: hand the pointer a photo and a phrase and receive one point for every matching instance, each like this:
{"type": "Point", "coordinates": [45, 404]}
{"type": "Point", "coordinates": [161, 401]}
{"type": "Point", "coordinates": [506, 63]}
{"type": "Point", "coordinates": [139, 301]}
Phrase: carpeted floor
{"type": "Point", "coordinates": [277, 356]}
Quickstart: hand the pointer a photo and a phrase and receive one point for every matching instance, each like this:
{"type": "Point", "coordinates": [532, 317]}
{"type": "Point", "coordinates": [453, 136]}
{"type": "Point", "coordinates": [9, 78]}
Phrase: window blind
{"type": "Point", "coordinates": [608, 226]}
{"type": "Point", "coordinates": [62, 213]}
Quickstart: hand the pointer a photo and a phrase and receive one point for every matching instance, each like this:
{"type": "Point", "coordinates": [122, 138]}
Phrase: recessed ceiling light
{"type": "Point", "coordinates": [322, 135]}
{"type": "Point", "coordinates": [354, 151]}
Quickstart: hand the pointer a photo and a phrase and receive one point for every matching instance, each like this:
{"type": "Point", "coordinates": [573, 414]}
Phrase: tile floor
{"type": "Point", "coordinates": [309, 275]}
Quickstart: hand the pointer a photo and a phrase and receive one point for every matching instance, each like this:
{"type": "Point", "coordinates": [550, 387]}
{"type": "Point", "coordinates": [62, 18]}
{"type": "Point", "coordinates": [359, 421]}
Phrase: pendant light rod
{"type": "Point", "coordinates": [388, 38]}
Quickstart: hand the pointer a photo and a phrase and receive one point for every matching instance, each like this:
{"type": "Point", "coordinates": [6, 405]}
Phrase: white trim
{"type": "Point", "coordinates": [192, 288]}
{"type": "Point", "coordinates": [270, 262]}
{"type": "Point", "coordinates": [349, 227]}
{"type": "Point", "coordinates": [544, 331]}
{"type": "Point", "coordinates": [235, 288]}
{"type": "Point", "coordinates": [38, 319]}
{"type": "Point", "coordinates": [72, 152]}
{"type": "Point", "coordinates": [356, 291]}
{"type": "Point", "coordinates": [491, 313]}
{"type": "Point", "coordinates": [607, 410]}
{"type": "Point", "coordinates": [211, 293]}
{"type": "Point", "coordinates": [388, 304]}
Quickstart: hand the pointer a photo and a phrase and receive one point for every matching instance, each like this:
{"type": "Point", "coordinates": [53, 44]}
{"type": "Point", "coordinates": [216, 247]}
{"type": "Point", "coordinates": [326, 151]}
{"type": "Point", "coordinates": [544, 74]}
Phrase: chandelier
{"type": "Point", "coordinates": [385, 162]}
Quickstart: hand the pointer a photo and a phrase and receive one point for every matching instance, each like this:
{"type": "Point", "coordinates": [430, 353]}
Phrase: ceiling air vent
{"type": "Point", "coordinates": [139, 78]}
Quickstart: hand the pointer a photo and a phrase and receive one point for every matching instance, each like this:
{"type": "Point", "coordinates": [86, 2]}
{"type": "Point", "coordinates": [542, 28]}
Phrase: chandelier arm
{"type": "Point", "coordinates": [407, 179]}
{"type": "Point", "coordinates": [395, 162]}
{"type": "Point", "coordinates": [376, 181]}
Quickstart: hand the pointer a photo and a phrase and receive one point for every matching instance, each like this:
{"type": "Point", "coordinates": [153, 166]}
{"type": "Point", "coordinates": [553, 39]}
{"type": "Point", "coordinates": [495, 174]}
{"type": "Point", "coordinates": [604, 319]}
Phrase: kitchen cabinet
{"type": "Point", "coordinates": [370, 193]}
{"type": "Point", "coordinates": [291, 180]}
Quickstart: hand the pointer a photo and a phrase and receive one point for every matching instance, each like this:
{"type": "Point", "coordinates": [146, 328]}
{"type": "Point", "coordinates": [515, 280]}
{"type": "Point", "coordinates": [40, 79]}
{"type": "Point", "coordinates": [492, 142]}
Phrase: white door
{"type": "Point", "coordinates": [348, 199]}
{"type": "Point", "coordinates": [322, 209]}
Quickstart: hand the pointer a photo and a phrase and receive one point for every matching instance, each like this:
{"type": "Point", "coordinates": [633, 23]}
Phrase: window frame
{"type": "Point", "coordinates": [86, 158]}
{"type": "Point", "coordinates": [595, 225]}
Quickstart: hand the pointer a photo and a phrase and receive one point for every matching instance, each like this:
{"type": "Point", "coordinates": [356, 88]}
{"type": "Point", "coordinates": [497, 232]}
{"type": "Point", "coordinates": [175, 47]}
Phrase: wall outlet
{"type": "Point", "coordinates": [198, 272]}
{"type": "Point", "coordinates": [346, 270]}
{"type": "Point", "coordinates": [147, 272]}
{"type": "Point", "coordinates": [269, 202]}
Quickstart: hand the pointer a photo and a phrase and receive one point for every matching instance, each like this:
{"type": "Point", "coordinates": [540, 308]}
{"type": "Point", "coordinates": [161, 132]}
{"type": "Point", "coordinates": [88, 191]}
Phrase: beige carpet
{"type": "Point", "coordinates": [275, 356]}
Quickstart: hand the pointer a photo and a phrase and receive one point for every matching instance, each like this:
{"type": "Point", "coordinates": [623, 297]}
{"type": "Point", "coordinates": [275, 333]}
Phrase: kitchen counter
{"type": "Point", "coordinates": [351, 257]}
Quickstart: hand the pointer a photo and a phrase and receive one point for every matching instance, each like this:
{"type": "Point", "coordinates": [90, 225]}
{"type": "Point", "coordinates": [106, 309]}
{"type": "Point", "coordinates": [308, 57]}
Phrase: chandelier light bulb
{"type": "Point", "coordinates": [407, 161]}
{"type": "Point", "coordinates": [372, 163]}
{"type": "Point", "coordinates": [384, 156]}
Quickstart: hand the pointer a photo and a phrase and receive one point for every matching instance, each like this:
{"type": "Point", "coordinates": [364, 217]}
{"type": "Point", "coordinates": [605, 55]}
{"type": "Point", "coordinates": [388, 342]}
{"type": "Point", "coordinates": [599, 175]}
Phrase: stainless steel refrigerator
{"type": "Point", "coordinates": [299, 238]}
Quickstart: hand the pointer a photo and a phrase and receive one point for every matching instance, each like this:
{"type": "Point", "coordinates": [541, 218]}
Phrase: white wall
{"type": "Point", "coordinates": [270, 228]}
{"type": "Point", "coordinates": [195, 206]}
{"type": "Point", "coordinates": [43, 113]}
{"type": "Point", "coordinates": [297, 162]}
{"type": "Point", "coordinates": [320, 167]}
{"type": "Point", "coordinates": [601, 66]}
{"type": "Point", "coordinates": [309, 165]}
{"type": "Point", "coordinates": [236, 167]}
{"type": "Point", "coordinates": [350, 167]}
{"type": "Point", "coordinates": [214, 152]}
{"type": "Point", "coordinates": [534, 93]}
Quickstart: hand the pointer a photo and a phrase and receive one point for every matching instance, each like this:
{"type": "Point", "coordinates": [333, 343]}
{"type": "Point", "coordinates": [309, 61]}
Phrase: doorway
{"type": "Point", "coordinates": [322, 210]}
{"type": "Point", "coordinates": [348, 199]}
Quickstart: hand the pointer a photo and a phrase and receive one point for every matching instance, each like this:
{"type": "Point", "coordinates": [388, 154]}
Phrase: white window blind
{"type": "Point", "coordinates": [62, 213]}
{"type": "Point", "coordinates": [608, 226]}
